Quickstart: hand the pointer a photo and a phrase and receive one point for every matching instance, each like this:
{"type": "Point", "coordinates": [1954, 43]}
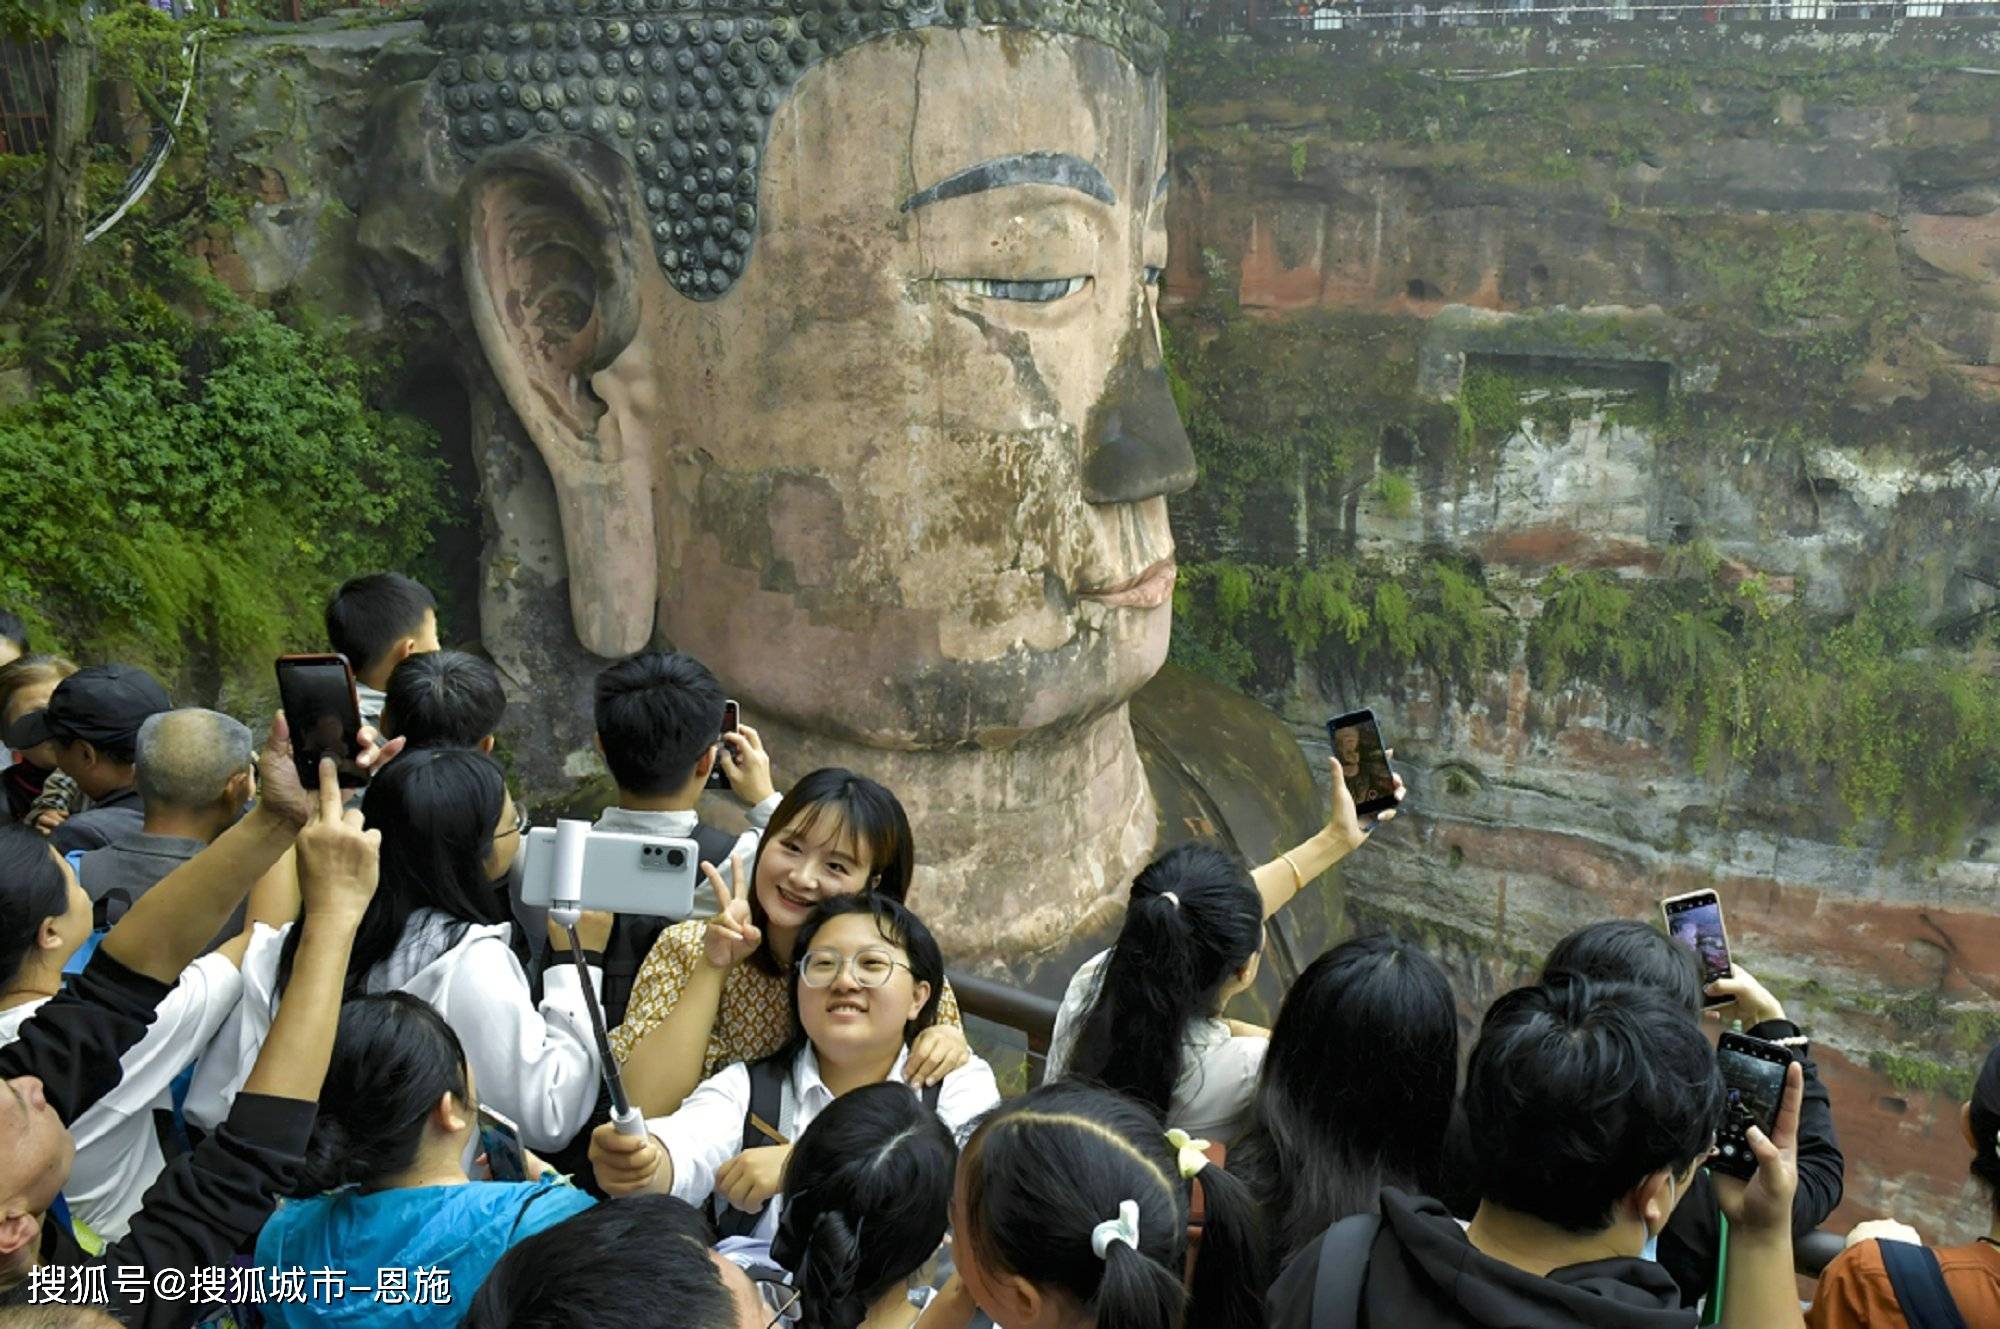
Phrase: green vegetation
{"type": "Point", "coordinates": [1918, 1074]}
{"type": "Point", "coordinates": [1354, 618]}
{"type": "Point", "coordinates": [1903, 731]}
{"type": "Point", "coordinates": [191, 473]}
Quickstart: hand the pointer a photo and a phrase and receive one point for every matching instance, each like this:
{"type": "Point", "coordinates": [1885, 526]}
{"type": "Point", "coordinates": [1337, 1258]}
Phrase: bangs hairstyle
{"type": "Point", "coordinates": [897, 926]}
{"type": "Point", "coordinates": [862, 815]}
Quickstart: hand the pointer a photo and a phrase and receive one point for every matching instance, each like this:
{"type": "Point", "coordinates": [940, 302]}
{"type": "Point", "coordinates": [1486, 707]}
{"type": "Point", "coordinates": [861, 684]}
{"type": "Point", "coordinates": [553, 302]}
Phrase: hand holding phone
{"type": "Point", "coordinates": [1753, 1077]}
{"type": "Point", "coordinates": [1695, 921]}
{"type": "Point", "coordinates": [500, 1142]}
{"type": "Point", "coordinates": [1363, 762]}
{"type": "Point", "coordinates": [717, 777]}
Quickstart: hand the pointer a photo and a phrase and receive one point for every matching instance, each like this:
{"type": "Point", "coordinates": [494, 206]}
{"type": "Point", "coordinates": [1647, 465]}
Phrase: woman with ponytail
{"type": "Point", "coordinates": [1856, 1291]}
{"type": "Point", "coordinates": [867, 1195]}
{"type": "Point", "coordinates": [1145, 1017]}
{"type": "Point", "coordinates": [1071, 1212]}
{"type": "Point", "coordinates": [393, 1177]}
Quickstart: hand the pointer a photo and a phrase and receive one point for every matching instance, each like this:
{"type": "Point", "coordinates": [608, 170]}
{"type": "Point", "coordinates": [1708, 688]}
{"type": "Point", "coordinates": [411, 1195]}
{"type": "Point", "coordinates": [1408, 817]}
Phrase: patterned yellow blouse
{"type": "Point", "coordinates": [755, 1017]}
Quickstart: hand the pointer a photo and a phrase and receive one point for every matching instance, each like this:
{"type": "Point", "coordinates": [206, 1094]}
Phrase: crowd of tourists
{"type": "Point", "coordinates": [264, 1040]}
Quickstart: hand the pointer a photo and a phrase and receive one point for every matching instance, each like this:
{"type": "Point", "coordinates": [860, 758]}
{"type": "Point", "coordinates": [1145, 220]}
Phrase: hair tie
{"type": "Point", "coordinates": [1123, 1228]}
{"type": "Point", "coordinates": [1189, 1153]}
{"type": "Point", "coordinates": [1169, 895]}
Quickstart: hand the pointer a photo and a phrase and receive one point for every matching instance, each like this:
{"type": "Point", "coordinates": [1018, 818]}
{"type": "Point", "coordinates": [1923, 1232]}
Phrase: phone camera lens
{"type": "Point", "coordinates": [676, 858]}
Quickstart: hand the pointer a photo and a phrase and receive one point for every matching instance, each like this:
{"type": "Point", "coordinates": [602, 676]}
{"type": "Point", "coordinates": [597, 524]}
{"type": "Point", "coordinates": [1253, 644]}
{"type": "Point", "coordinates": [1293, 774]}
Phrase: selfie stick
{"type": "Point", "coordinates": [566, 909]}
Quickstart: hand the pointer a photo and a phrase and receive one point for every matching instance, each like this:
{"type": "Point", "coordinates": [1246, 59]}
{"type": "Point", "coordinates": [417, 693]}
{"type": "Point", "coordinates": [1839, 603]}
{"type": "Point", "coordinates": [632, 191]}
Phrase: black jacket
{"type": "Point", "coordinates": [1424, 1274]}
{"type": "Point", "coordinates": [206, 1204]}
{"type": "Point", "coordinates": [1691, 1244]}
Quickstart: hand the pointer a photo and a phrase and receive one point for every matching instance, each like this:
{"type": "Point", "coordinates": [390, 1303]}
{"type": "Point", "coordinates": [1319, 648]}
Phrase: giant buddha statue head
{"type": "Point", "coordinates": [834, 322]}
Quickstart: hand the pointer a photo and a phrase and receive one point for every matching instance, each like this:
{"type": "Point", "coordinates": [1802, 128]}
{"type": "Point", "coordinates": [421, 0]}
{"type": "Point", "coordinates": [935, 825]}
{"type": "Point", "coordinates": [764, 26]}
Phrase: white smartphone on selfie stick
{"type": "Point", "coordinates": [571, 840]}
{"type": "Point", "coordinates": [623, 872]}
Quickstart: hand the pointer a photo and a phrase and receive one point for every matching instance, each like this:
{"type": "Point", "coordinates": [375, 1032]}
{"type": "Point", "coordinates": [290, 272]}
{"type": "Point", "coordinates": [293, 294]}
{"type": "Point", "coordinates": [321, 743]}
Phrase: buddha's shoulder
{"type": "Point", "coordinates": [1223, 765]}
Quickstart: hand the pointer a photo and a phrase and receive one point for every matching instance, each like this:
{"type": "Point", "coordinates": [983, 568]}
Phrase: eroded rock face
{"type": "Point", "coordinates": [1702, 212]}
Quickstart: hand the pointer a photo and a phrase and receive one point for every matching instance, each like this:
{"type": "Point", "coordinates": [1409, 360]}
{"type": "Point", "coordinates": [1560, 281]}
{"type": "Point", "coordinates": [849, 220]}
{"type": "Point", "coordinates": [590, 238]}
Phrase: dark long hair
{"type": "Point", "coordinates": [33, 889]}
{"type": "Point", "coordinates": [869, 812]}
{"type": "Point", "coordinates": [1356, 1092]}
{"type": "Point", "coordinates": [437, 811]}
{"type": "Point", "coordinates": [393, 1059]}
{"type": "Point", "coordinates": [1043, 1170]}
{"type": "Point", "coordinates": [898, 926]}
{"type": "Point", "coordinates": [867, 1198]}
{"type": "Point", "coordinates": [1194, 920]}
{"type": "Point", "coordinates": [1986, 1127]}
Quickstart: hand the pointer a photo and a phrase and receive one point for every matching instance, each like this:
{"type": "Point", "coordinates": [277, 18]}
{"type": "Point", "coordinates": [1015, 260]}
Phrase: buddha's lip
{"type": "Point", "coordinates": [1149, 590]}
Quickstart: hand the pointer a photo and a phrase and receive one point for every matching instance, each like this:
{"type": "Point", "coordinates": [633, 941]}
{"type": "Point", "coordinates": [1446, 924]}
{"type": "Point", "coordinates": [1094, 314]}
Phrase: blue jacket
{"type": "Point", "coordinates": [463, 1229]}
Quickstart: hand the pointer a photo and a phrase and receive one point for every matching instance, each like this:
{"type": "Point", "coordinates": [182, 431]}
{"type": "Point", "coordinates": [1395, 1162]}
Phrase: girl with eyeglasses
{"type": "Point", "coordinates": [865, 984]}
{"type": "Point", "coordinates": [713, 991]}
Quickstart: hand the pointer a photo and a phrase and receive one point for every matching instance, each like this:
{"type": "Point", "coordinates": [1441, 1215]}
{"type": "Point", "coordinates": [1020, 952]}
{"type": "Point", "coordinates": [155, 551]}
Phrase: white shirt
{"type": "Point", "coordinates": [1218, 1068]}
{"type": "Point", "coordinates": [535, 1065]}
{"type": "Point", "coordinates": [680, 825]}
{"type": "Point", "coordinates": [117, 1142]}
{"type": "Point", "coordinates": [706, 1131]}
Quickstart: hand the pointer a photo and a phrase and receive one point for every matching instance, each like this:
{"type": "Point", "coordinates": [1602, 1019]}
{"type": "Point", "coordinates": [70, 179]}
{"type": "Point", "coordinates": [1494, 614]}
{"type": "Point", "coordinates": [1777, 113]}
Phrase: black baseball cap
{"type": "Point", "coordinates": [103, 705]}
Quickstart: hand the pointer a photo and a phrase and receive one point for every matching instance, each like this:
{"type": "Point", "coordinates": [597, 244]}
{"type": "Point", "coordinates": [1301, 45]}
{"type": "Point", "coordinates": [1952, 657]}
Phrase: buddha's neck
{"type": "Point", "coordinates": [1016, 847]}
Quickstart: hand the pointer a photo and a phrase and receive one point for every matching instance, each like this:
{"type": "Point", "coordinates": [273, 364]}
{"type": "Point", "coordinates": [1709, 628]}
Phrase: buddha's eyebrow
{"type": "Point", "coordinates": [1022, 168]}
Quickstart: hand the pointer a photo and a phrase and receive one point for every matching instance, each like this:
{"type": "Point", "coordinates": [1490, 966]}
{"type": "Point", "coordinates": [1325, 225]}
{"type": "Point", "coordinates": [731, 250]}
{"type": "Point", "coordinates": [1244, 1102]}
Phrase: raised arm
{"type": "Point", "coordinates": [1287, 874]}
{"type": "Point", "coordinates": [169, 925]}
{"type": "Point", "coordinates": [1759, 1291]}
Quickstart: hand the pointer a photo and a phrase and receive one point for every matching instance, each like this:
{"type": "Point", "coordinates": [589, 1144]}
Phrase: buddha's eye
{"type": "Point", "coordinates": [1154, 276]}
{"type": "Point", "coordinates": [1028, 292]}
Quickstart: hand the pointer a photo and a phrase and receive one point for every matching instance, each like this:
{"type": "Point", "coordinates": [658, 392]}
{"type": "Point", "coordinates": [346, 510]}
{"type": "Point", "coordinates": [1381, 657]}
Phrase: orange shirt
{"type": "Point", "coordinates": [1854, 1292]}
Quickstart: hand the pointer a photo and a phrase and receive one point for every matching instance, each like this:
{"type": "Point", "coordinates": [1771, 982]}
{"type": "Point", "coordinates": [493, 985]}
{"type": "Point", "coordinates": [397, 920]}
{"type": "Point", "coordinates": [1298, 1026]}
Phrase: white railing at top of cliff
{"type": "Point", "coordinates": [1277, 18]}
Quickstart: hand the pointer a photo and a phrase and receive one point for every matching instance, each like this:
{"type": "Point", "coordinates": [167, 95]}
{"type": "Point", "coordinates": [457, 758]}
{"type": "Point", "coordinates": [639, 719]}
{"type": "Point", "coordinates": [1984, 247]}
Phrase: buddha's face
{"type": "Point", "coordinates": [905, 480]}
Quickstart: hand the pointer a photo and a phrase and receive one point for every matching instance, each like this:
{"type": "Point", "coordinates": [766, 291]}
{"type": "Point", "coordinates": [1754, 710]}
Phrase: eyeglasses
{"type": "Point", "coordinates": [872, 967]}
{"type": "Point", "coordinates": [779, 1297]}
{"type": "Point", "coordinates": [520, 826]}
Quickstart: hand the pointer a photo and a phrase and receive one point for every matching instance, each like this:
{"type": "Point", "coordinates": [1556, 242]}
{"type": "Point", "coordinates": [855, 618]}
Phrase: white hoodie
{"type": "Point", "coordinates": [538, 1067]}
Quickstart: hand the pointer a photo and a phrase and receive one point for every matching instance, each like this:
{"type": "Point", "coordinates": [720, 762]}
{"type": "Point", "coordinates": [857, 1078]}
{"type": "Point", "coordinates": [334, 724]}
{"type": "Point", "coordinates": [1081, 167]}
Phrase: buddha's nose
{"type": "Point", "coordinates": [1136, 446]}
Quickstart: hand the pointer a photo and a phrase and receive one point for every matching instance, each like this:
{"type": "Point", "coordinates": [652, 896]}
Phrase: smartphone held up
{"type": "Point", "coordinates": [1364, 762]}
{"type": "Point", "coordinates": [1753, 1076]}
{"type": "Point", "coordinates": [323, 713]}
{"type": "Point", "coordinates": [1695, 921]}
{"type": "Point", "coordinates": [731, 717]}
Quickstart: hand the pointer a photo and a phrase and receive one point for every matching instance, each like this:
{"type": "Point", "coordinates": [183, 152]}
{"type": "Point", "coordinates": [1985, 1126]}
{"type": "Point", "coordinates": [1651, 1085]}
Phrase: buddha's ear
{"type": "Point", "coordinates": [547, 245]}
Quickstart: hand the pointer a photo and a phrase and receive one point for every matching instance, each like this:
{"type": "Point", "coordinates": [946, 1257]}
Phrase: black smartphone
{"type": "Point", "coordinates": [1753, 1073]}
{"type": "Point", "coordinates": [324, 715]}
{"type": "Point", "coordinates": [1695, 921]}
{"type": "Point", "coordinates": [500, 1141]}
{"type": "Point", "coordinates": [716, 779]}
{"type": "Point", "coordinates": [1357, 744]}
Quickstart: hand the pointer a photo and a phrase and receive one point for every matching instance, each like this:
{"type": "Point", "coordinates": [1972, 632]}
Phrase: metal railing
{"type": "Point", "coordinates": [1315, 19]}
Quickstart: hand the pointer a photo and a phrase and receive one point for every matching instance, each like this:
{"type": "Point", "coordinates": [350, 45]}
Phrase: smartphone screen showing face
{"type": "Point", "coordinates": [324, 718]}
{"type": "Point", "coordinates": [716, 778]}
{"type": "Point", "coordinates": [1753, 1074]}
{"type": "Point", "coordinates": [1364, 763]}
{"type": "Point", "coordinates": [501, 1143]}
{"type": "Point", "coordinates": [1695, 921]}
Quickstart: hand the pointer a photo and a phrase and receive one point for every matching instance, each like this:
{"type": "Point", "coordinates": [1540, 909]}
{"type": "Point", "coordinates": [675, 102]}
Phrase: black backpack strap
{"type": "Point", "coordinates": [930, 1093]}
{"type": "Point", "coordinates": [714, 845]}
{"type": "Point", "coordinates": [1920, 1287]}
{"type": "Point", "coordinates": [1343, 1270]}
{"type": "Point", "coordinates": [767, 1104]}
